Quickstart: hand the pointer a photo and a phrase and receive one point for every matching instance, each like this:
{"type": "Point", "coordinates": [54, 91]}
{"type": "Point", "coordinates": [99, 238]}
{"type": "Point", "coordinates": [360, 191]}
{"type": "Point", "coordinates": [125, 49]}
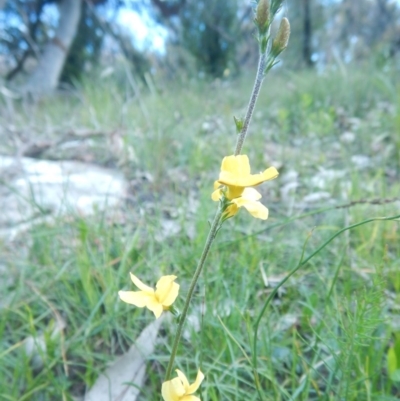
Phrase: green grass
{"type": "Point", "coordinates": [326, 333]}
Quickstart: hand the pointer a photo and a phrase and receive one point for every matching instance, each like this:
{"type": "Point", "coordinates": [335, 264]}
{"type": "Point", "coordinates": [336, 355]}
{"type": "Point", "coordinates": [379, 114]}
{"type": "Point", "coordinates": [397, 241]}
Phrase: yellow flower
{"type": "Point", "coordinates": [155, 300]}
{"type": "Point", "coordinates": [235, 175]}
{"type": "Point", "coordinates": [179, 389]}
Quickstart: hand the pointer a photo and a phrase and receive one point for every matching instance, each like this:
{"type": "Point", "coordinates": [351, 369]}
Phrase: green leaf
{"type": "Point", "coordinates": [239, 124]}
{"type": "Point", "coordinates": [392, 362]}
{"type": "Point", "coordinates": [275, 6]}
{"type": "Point", "coordinates": [397, 346]}
{"type": "Point", "coordinates": [395, 376]}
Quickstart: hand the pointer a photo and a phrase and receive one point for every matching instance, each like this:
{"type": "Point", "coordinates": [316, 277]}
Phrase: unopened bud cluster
{"type": "Point", "coordinates": [264, 15]}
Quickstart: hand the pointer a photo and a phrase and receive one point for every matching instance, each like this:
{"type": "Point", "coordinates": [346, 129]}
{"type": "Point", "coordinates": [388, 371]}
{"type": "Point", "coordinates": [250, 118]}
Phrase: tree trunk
{"type": "Point", "coordinates": [307, 33]}
{"type": "Point", "coordinates": [45, 76]}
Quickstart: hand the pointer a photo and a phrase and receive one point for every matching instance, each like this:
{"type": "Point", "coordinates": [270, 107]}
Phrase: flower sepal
{"type": "Point", "coordinates": [174, 310]}
{"type": "Point", "coordinates": [226, 205]}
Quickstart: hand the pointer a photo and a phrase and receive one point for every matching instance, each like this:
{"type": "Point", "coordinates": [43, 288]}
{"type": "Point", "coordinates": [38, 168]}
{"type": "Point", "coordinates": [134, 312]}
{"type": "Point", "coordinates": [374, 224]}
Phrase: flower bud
{"type": "Point", "coordinates": [281, 39]}
{"type": "Point", "coordinates": [262, 16]}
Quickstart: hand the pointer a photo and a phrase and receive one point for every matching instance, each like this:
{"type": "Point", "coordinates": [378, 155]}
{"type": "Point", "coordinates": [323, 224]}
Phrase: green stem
{"type": "Point", "coordinates": [252, 103]}
{"type": "Point", "coordinates": [301, 264]}
{"type": "Point", "coordinates": [211, 236]}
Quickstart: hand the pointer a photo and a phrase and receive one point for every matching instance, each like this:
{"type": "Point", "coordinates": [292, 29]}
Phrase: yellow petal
{"type": "Point", "coordinates": [137, 298]}
{"type": "Point", "coordinates": [155, 306]}
{"type": "Point", "coordinates": [216, 184]}
{"type": "Point", "coordinates": [172, 295]}
{"type": "Point", "coordinates": [216, 195]}
{"type": "Point", "coordinates": [172, 390]}
{"type": "Point", "coordinates": [167, 290]}
{"type": "Point", "coordinates": [251, 180]}
{"type": "Point", "coordinates": [141, 285]}
{"type": "Point", "coordinates": [184, 380]}
{"type": "Point", "coordinates": [251, 194]}
{"type": "Point", "coordinates": [231, 210]}
{"type": "Point", "coordinates": [255, 208]}
{"type": "Point", "coordinates": [234, 192]}
{"type": "Point", "coordinates": [270, 173]}
{"type": "Point", "coordinates": [194, 386]}
{"type": "Point", "coordinates": [189, 398]}
{"type": "Point", "coordinates": [237, 165]}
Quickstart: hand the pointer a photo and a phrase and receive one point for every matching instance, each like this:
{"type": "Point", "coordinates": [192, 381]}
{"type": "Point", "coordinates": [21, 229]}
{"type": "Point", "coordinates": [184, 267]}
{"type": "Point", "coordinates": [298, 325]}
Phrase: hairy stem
{"type": "Point", "coordinates": [211, 236]}
{"type": "Point", "coordinates": [253, 99]}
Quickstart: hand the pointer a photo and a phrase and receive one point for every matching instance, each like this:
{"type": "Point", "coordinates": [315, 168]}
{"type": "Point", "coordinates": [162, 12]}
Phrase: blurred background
{"type": "Point", "coordinates": [114, 119]}
{"type": "Point", "coordinates": [195, 38]}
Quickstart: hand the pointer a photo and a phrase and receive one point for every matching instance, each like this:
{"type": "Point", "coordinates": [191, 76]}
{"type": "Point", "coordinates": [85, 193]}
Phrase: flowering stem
{"type": "Point", "coordinates": [216, 224]}
{"type": "Point", "coordinates": [253, 99]}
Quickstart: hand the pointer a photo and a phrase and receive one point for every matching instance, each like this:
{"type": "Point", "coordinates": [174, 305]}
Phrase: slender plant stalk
{"type": "Point", "coordinates": [216, 224]}
{"type": "Point", "coordinates": [253, 99]}
{"type": "Point", "coordinates": [217, 219]}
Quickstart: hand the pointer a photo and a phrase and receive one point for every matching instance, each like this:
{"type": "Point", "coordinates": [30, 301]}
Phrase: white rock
{"type": "Point", "coordinates": [32, 188]}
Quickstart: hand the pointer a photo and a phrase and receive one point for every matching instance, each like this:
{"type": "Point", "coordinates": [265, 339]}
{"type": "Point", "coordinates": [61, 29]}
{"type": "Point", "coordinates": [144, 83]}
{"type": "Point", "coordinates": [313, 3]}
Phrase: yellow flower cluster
{"type": "Point", "coordinates": [234, 189]}
{"type": "Point", "coordinates": [235, 183]}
